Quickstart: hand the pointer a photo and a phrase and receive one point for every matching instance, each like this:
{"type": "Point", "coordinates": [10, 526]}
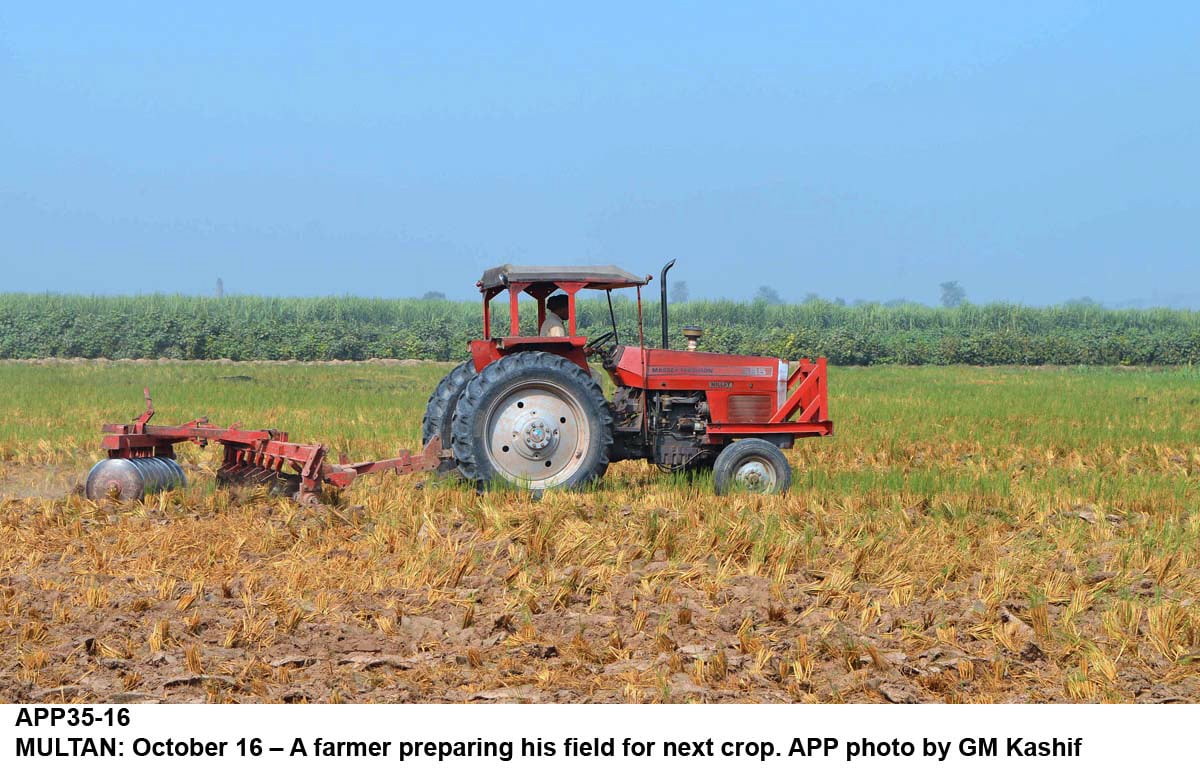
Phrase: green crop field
{"type": "Point", "coordinates": [997, 437]}
{"type": "Point", "coordinates": [968, 534]}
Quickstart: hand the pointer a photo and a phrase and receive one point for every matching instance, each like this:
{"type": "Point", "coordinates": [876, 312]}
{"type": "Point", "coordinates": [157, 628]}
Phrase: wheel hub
{"type": "Point", "coordinates": [534, 436]}
{"type": "Point", "coordinates": [755, 475]}
{"type": "Point", "coordinates": [537, 434]}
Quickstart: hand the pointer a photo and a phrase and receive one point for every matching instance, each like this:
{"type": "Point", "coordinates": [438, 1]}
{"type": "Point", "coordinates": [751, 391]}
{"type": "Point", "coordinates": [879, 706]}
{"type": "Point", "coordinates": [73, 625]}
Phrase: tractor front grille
{"type": "Point", "coordinates": [751, 408]}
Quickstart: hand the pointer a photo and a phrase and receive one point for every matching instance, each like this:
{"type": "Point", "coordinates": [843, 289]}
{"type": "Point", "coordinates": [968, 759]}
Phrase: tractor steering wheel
{"type": "Point", "coordinates": [595, 344]}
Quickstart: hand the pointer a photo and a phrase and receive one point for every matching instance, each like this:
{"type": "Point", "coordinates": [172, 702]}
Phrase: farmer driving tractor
{"type": "Point", "coordinates": [556, 310]}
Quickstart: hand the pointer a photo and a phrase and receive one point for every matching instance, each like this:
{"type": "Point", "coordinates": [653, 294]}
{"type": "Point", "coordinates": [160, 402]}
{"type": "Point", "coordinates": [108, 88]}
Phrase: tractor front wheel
{"type": "Point", "coordinates": [534, 420]}
{"type": "Point", "coordinates": [752, 465]}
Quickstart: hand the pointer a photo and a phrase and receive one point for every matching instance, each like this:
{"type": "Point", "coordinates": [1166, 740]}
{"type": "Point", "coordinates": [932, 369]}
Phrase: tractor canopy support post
{"type": "Point", "coordinates": [645, 368]}
{"type": "Point", "coordinates": [540, 293]}
{"type": "Point", "coordinates": [514, 308]}
{"type": "Point", "coordinates": [488, 295]}
{"type": "Point", "coordinates": [571, 288]}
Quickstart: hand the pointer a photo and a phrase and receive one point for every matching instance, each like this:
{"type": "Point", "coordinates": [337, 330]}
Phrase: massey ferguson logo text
{"type": "Point", "coordinates": [712, 370]}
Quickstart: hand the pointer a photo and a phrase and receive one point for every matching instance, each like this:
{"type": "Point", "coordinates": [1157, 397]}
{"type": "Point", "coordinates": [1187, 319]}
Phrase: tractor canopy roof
{"type": "Point", "coordinates": [607, 277]}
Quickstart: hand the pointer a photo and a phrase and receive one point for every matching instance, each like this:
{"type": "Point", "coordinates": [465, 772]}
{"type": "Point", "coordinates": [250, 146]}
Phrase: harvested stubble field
{"type": "Point", "coordinates": [969, 535]}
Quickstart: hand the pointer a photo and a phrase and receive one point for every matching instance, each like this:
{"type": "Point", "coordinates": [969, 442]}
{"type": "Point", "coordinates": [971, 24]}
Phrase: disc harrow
{"type": "Point", "coordinates": [141, 460]}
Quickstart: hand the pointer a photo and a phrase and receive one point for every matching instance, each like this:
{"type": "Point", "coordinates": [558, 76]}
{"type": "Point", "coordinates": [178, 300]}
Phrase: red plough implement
{"type": "Point", "coordinates": [141, 459]}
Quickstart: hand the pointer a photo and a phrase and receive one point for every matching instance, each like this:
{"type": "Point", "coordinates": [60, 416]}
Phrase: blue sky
{"type": "Point", "coordinates": [1034, 152]}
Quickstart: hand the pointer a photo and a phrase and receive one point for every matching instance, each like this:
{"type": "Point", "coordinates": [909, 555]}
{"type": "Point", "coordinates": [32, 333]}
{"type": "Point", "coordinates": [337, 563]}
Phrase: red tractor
{"type": "Point", "coordinates": [528, 411]}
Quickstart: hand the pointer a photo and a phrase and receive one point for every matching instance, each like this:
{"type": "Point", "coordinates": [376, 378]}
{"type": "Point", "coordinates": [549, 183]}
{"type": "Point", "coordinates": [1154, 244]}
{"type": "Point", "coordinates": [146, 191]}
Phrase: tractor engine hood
{"type": "Point", "coordinates": [681, 370]}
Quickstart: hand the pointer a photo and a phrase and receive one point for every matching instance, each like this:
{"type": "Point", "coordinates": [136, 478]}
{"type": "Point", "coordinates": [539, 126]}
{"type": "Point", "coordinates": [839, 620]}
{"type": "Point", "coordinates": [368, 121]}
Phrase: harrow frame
{"type": "Point", "coordinates": [260, 456]}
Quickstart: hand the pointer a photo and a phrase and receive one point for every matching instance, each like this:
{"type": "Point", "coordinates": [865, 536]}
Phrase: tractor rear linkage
{"type": "Point", "coordinates": [251, 456]}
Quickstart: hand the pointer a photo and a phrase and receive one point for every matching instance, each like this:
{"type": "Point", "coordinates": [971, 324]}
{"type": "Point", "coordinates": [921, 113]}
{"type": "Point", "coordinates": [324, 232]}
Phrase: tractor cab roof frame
{"type": "Point", "coordinates": [607, 277]}
{"type": "Point", "coordinates": [541, 281]}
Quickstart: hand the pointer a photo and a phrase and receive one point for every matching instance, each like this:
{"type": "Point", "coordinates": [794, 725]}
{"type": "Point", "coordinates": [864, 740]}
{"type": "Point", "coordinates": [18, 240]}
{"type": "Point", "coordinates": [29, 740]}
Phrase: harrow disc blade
{"type": "Point", "coordinates": [133, 478]}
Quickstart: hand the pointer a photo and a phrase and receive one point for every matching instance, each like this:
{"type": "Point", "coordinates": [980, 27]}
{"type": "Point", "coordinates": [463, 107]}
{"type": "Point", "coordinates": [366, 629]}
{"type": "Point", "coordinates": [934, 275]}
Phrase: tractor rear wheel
{"type": "Point", "coordinates": [534, 420]}
{"type": "Point", "coordinates": [752, 465]}
{"type": "Point", "coordinates": [439, 411]}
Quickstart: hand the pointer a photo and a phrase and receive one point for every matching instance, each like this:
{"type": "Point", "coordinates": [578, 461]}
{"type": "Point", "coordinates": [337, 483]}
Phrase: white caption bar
{"type": "Point", "coordinates": [545, 738]}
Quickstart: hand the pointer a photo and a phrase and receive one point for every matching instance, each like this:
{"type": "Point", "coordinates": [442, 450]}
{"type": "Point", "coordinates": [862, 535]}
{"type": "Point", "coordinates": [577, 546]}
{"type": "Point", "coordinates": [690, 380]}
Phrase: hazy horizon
{"type": "Point", "coordinates": [1035, 153]}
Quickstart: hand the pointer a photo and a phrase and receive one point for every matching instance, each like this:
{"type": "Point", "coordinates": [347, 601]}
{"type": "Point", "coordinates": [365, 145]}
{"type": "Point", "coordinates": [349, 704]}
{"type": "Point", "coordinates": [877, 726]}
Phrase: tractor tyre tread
{"type": "Point", "coordinates": [469, 452]}
{"type": "Point", "coordinates": [439, 411]}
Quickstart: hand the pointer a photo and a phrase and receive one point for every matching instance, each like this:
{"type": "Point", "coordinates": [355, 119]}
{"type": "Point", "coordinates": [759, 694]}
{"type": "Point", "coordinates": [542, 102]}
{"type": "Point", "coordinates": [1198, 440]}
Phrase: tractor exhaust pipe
{"type": "Point", "coordinates": [662, 285]}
